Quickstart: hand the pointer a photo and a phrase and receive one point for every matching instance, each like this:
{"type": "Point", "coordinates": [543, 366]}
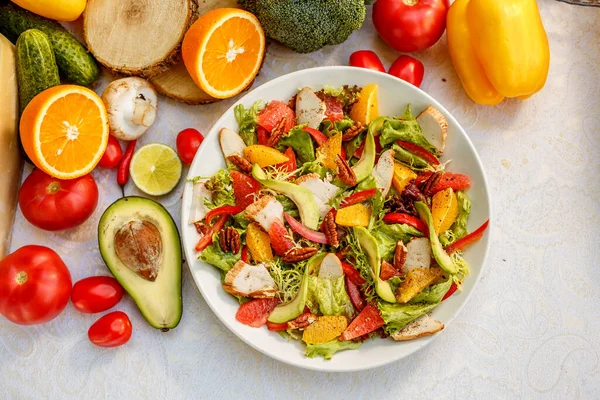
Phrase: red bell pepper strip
{"type": "Point", "coordinates": [359, 151]}
{"type": "Point", "coordinates": [369, 320]}
{"type": "Point", "coordinates": [448, 180]}
{"type": "Point", "coordinates": [399, 218]}
{"type": "Point", "coordinates": [472, 237]}
{"type": "Point", "coordinates": [354, 293]}
{"type": "Point", "coordinates": [123, 172]}
{"type": "Point", "coordinates": [289, 165]}
{"type": "Point", "coordinates": [419, 152]}
{"type": "Point", "coordinates": [358, 197]}
{"type": "Point", "coordinates": [352, 273]}
{"type": "Point", "coordinates": [245, 255]}
{"type": "Point", "coordinates": [223, 210]}
{"type": "Point", "coordinates": [272, 326]}
{"type": "Point", "coordinates": [206, 240]}
{"type": "Point", "coordinates": [450, 291]}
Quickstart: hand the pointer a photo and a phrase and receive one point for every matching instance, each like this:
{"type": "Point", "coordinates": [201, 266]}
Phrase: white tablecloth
{"type": "Point", "coordinates": [529, 331]}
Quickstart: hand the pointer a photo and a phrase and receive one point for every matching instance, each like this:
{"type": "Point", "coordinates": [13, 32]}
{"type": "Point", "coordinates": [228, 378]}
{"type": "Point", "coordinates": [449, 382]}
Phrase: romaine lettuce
{"type": "Point", "coordinates": [330, 295]}
{"type": "Point", "coordinates": [388, 235]}
{"type": "Point", "coordinates": [396, 315]}
{"type": "Point", "coordinates": [328, 349]}
{"type": "Point", "coordinates": [407, 129]}
{"type": "Point", "coordinates": [300, 141]}
{"type": "Point", "coordinates": [217, 257]}
{"type": "Point", "coordinates": [433, 294]}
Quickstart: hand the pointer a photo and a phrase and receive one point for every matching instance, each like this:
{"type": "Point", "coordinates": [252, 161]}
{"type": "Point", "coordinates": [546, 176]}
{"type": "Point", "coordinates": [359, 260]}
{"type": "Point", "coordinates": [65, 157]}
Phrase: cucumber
{"type": "Point", "coordinates": [36, 65]}
{"type": "Point", "coordinates": [74, 62]}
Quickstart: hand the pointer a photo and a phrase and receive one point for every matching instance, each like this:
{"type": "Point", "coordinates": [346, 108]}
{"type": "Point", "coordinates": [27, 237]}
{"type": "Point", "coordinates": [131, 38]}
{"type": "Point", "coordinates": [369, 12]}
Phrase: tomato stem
{"type": "Point", "coordinates": [410, 2]}
{"type": "Point", "coordinates": [21, 277]}
{"type": "Point", "coordinates": [53, 187]}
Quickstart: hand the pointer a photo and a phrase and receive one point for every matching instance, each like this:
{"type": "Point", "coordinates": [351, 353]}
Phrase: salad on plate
{"type": "Point", "coordinates": [332, 224]}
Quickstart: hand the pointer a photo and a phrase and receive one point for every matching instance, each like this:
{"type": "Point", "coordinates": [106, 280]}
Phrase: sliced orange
{"type": "Point", "coordinates": [223, 51]}
{"type": "Point", "coordinates": [366, 109]}
{"type": "Point", "coordinates": [64, 131]}
{"type": "Point", "coordinates": [329, 151]}
{"type": "Point", "coordinates": [444, 210]}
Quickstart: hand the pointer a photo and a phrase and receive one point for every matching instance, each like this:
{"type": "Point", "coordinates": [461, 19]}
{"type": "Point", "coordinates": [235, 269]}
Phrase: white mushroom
{"type": "Point", "coordinates": [231, 143]}
{"type": "Point", "coordinates": [434, 126]}
{"type": "Point", "coordinates": [331, 267]}
{"type": "Point", "coordinates": [422, 326]}
{"type": "Point", "coordinates": [384, 171]}
{"type": "Point", "coordinates": [265, 211]}
{"type": "Point", "coordinates": [131, 104]}
{"type": "Point", "coordinates": [250, 280]}
{"type": "Point", "coordinates": [418, 254]}
{"type": "Point", "coordinates": [310, 109]}
{"type": "Point", "coordinates": [323, 191]}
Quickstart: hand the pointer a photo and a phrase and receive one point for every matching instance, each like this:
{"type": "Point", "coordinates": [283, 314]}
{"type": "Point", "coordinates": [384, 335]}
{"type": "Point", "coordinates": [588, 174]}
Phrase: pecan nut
{"type": "Point", "coordinates": [201, 228]}
{"type": "Point", "coordinates": [299, 254]}
{"type": "Point", "coordinates": [429, 185]}
{"type": "Point", "coordinates": [302, 322]}
{"type": "Point", "coordinates": [240, 162]}
{"type": "Point", "coordinates": [229, 239]}
{"type": "Point", "coordinates": [330, 229]}
{"type": "Point", "coordinates": [345, 172]}
{"type": "Point", "coordinates": [400, 255]}
{"type": "Point", "coordinates": [353, 131]}
{"type": "Point", "coordinates": [277, 133]}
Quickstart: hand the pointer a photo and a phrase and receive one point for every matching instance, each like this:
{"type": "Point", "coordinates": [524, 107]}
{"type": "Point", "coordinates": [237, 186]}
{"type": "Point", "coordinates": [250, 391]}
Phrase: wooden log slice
{"type": "Point", "coordinates": [137, 37]}
{"type": "Point", "coordinates": [177, 84]}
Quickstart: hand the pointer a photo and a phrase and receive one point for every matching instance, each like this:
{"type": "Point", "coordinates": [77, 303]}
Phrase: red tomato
{"type": "Point", "coordinates": [112, 330]}
{"type": "Point", "coordinates": [270, 116]}
{"type": "Point", "coordinates": [188, 142]}
{"type": "Point", "coordinates": [290, 165]}
{"type": "Point", "coordinates": [96, 294]}
{"type": "Point", "coordinates": [255, 312]}
{"type": "Point", "coordinates": [53, 204]}
{"type": "Point", "coordinates": [245, 188]}
{"type": "Point", "coordinates": [408, 69]}
{"type": "Point", "coordinates": [410, 25]}
{"type": "Point", "coordinates": [112, 154]}
{"type": "Point", "coordinates": [334, 109]}
{"type": "Point", "coordinates": [366, 59]}
{"type": "Point", "coordinates": [35, 285]}
{"type": "Point", "coordinates": [280, 238]}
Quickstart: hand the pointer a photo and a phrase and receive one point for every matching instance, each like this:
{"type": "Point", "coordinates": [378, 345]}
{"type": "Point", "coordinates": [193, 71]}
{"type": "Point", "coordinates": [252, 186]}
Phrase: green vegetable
{"type": "Point", "coordinates": [459, 227]}
{"type": "Point", "coordinates": [330, 295]}
{"type": "Point", "coordinates": [330, 129]}
{"type": "Point", "coordinates": [313, 167]}
{"type": "Point", "coordinates": [409, 159]}
{"type": "Point", "coordinates": [396, 316]}
{"type": "Point", "coordinates": [289, 206]}
{"type": "Point", "coordinates": [388, 235]}
{"type": "Point", "coordinates": [301, 142]}
{"type": "Point", "coordinates": [240, 220]}
{"type": "Point", "coordinates": [443, 259]}
{"type": "Point", "coordinates": [217, 257]}
{"type": "Point", "coordinates": [433, 294]}
{"type": "Point", "coordinates": [74, 62]}
{"type": "Point", "coordinates": [36, 65]}
{"type": "Point", "coordinates": [308, 25]}
{"type": "Point", "coordinates": [369, 245]}
{"type": "Point", "coordinates": [364, 167]}
{"type": "Point", "coordinates": [347, 95]}
{"type": "Point", "coordinates": [220, 186]}
{"type": "Point", "coordinates": [406, 129]}
{"type": "Point", "coordinates": [328, 349]}
{"type": "Point", "coordinates": [294, 308]}
{"type": "Point", "coordinates": [247, 122]}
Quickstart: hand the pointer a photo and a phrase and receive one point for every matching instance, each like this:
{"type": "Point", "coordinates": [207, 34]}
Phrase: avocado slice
{"type": "Point", "coordinates": [289, 311]}
{"type": "Point", "coordinates": [140, 244]}
{"type": "Point", "coordinates": [369, 245]}
{"type": "Point", "coordinates": [301, 196]}
{"type": "Point", "coordinates": [363, 168]}
{"type": "Point", "coordinates": [443, 259]}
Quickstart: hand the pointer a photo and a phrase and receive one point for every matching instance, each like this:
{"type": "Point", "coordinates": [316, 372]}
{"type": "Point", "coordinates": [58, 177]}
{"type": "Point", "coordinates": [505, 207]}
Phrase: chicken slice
{"type": "Point", "coordinates": [384, 171]}
{"type": "Point", "coordinates": [231, 143]}
{"type": "Point", "coordinates": [310, 110]}
{"type": "Point", "coordinates": [422, 326]}
{"type": "Point", "coordinates": [199, 194]}
{"type": "Point", "coordinates": [264, 211]}
{"type": "Point", "coordinates": [418, 254]}
{"type": "Point", "coordinates": [250, 281]}
{"type": "Point", "coordinates": [323, 191]}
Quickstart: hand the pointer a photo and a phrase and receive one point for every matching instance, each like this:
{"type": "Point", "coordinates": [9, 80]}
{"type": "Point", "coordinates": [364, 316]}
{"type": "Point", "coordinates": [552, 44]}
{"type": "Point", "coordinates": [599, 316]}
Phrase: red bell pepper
{"type": "Point", "coordinates": [358, 197]}
{"type": "Point", "coordinates": [290, 165]}
{"type": "Point", "coordinates": [472, 237]}
{"type": "Point", "coordinates": [359, 151]}
{"type": "Point", "coordinates": [399, 218]}
{"type": "Point", "coordinates": [352, 273]}
{"type": "Point", "coordinates": [450, 291]}
{"type": "Point", "coordinates": [272, 326]}
{"type": "Point", "coordinates": [223, 210]}
{"type": "Point", "coordinates": [419, 152]}
{"type": "Point", "coordinates": [245, 255]}
{"type": "Point", "coordinates": [206, 240]}
{"type": "Point", "coordinates": [448, 180]}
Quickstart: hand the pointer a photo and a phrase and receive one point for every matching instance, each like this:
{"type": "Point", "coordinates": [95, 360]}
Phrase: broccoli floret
{"type": "Point", "coordinates": [308, 25]}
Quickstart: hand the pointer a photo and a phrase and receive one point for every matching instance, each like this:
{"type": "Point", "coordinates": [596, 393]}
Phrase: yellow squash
{"type": "Point", "coordinates": [499, 48]}
{"type": "Point", "coordinates": [61, 10]}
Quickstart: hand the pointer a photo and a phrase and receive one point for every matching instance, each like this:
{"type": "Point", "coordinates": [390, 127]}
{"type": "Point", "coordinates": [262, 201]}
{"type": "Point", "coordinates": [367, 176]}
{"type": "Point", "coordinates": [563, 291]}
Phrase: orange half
{"type": "Point", "coordinates": [223, 51]}
{"type": "Point", "coordinates": [64, 131]}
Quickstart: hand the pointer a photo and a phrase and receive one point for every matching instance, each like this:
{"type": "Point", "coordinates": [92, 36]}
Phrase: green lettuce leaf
{"type": "Point", "coordinates": [329, 128]}
{"type": "Point", "coordinates": [240, 220]}
{"type": "Point", "coordinates": [288, 205]}
{"type": "Point", "coordinates": [246, 120]}
{"type": "Point", "coordinates": [433, 294]}
{"type": "Point", "coordinates": [458, 229]}
{"type": "Point", "coordinates": [396, 316]}
{"type": "Point", "coordinates": [330, 295]}
{"type": "Point", "coordinates": [217, 257]}
{"type": "Point", "coordinates": [328, 349]}
{"type": "Point", "coordinates": [222, 190]}
{"type": "Point", "coordinates": [367, 183]}
{"type": "Point", "coordinates": [407, 129]}
{"type": "Point", "coordinates": [388, 235]}
{"type": "Point", "coordinates": [348, 95]}
{"type": "Point", "coordinates": [300, 141]}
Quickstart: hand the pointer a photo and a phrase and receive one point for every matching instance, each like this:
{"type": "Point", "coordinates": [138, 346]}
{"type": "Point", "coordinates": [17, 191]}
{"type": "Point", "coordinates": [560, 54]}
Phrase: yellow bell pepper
{"type": "Point", "coordinates": [499, 48]}
{"type": "Point", "coordinates": [61, 10]}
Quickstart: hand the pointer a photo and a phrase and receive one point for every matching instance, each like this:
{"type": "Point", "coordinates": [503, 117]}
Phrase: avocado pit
{"type": "Point", "coordinates": [138, 245]}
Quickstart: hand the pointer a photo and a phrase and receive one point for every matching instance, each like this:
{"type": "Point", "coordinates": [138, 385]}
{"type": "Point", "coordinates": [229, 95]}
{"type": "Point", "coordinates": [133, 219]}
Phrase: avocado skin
{"type": "Point", "coordinates": [149, 296]}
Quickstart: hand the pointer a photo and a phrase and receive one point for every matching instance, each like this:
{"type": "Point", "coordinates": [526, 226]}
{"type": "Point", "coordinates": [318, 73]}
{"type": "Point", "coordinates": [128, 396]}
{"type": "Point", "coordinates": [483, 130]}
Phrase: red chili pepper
{"type": "Point", "coordinates": [272, 326]}
{"type": "Point", "coordinates": [352, 273]}
{"type": "Point", "coordinates": [419, 152]}
{"type": "Point", "coordinates": [450, 291]}
{"type": "Point", "coordinates": [398, 218]}
{"type": "Point", "coordinates": [245, 255]}
{"type": "Point", "coordinates": [472, 237]}
{"type": "Point", "coordinates": [358, 197]}
{"type": "Point", "coordinates": [123, 173]}
{"type": "Point", "coordinates": [223, 210]}
{"type": "Point", "coordinates": [207, 239]}
{"type": "Point", "coordinates": [320, 138]}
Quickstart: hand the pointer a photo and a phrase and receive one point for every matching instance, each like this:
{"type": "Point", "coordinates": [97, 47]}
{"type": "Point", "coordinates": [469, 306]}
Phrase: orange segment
{"type": "Point", "coordinates": [223, 51]}
{"type": "Point", "coordinates": [329, 151]}
{"type": "Point", "coordinates": [366, 109]}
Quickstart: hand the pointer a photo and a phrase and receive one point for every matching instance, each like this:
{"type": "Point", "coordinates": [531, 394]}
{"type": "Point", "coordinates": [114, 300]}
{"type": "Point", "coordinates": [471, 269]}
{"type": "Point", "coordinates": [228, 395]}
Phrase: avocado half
{"type": "Point", "coordinates": [147, 232]}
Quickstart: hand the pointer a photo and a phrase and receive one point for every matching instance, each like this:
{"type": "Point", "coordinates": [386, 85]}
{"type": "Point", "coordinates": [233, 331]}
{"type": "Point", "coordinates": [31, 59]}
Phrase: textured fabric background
{"type": "Point", "coordinates": [529, 331]}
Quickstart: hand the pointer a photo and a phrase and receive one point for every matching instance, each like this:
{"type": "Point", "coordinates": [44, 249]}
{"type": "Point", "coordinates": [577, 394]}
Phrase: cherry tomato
{"type": "Point", "coordinates": [53, 204]}
{"type": "Point", "coordinates": [366, 59]}
{"type": "Point", "coordinates": [112, 154]}
{"type": "Point", "coordinates": [188, 142]}
{"type": "Point", "coordinates": [410, 25]}
{"type": "Point", "coordinates": [408, 69]}
{"type": "Point", "coordinates": [112, 330]}
{"type": "Point", "coordinates": [35, 285]}
{"type": "Point", "coordinates": [96, 294]}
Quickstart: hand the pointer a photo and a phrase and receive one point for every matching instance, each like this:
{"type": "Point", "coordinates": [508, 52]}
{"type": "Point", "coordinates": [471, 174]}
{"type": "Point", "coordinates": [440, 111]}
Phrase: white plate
{"type": "Point", "coordinates": [394, 94]}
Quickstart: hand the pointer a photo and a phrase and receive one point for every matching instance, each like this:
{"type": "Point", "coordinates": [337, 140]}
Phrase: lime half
{"type": "Point", "coordinates": [155, 169]}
